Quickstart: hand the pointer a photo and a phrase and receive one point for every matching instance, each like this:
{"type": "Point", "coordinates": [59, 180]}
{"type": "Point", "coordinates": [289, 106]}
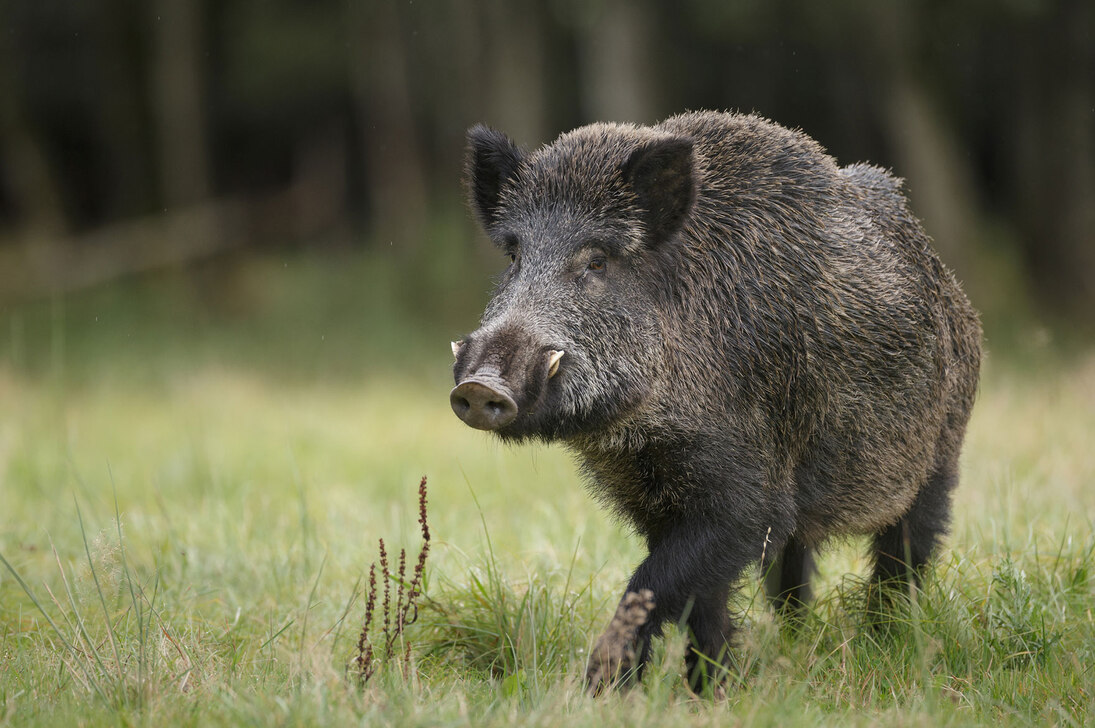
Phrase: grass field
{"type": "Point", "coordinates": [192, 489]}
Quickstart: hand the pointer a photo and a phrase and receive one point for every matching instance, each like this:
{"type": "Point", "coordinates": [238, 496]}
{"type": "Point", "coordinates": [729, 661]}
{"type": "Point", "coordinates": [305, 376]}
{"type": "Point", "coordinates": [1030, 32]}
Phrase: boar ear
{"type": "Point", "coordinates": [662, 177]}
{"type": "Point", "coordinates": [492, 160]}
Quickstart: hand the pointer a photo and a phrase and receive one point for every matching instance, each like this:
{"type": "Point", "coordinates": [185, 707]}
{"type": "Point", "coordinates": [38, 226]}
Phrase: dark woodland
{"type": "Point", "coordinates": [138, 135]}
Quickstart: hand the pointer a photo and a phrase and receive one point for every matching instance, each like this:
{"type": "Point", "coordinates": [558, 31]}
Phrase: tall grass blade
{"type": "Point", "coordinates": [72, 651]}
{"type": "Point", "coordinates": [99, 591]}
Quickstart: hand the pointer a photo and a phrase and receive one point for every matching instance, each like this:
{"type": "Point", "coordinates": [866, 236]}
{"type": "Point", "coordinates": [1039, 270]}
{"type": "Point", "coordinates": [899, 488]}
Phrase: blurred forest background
{"type": "Point", "coordinates": [234, 248]}
{"type": "Point", "coordinates": [143, 135]}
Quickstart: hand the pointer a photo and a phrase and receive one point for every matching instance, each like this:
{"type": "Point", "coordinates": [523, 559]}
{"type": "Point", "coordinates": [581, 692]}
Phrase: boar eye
{"type": "Point", "coordinates": [596, 265]}
{"type": "Point", "coordinates": [510, 246]}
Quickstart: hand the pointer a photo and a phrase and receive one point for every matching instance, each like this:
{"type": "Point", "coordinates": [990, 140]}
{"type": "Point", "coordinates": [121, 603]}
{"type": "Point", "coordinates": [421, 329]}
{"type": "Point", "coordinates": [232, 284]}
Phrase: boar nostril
{"type": "Point", "coordinates": [460, 406]}
{"type": "Point", "coordinates": [481, 406]}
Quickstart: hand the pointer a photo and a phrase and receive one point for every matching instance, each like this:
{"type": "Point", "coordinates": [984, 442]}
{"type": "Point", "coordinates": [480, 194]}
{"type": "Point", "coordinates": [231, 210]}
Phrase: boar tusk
{"type": "Point", "coordinates": [456, 345]}
{"type": "Point", "coordinates": [553, 362]}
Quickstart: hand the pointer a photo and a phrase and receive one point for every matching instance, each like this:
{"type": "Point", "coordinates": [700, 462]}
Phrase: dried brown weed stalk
{"type": "Point", "coordinates": [391, 646]}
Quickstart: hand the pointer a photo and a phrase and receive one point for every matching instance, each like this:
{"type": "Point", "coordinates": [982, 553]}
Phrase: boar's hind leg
{"type": "Point", "coordinates": [902, 549]}
{"type": "Point", "coordinates": [787, 579]}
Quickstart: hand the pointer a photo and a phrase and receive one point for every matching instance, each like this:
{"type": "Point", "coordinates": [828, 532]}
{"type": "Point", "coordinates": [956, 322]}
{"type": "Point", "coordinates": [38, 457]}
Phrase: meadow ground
{"type": "Point", "coordinates": [192, 489]}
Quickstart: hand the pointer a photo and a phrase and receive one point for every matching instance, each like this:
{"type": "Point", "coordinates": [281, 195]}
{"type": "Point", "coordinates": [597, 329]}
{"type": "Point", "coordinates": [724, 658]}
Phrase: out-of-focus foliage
{"type": "Point", "coordinates": [287, 120]}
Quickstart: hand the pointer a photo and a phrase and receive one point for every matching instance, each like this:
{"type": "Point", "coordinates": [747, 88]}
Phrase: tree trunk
{"type": "Point", "coordinates": [514, 71]}
{"type": "Point", "coordinates": [130, 183]}
{"type": "Point", "coordinates": [616, 52]}
{"type": "Point", "coordinates": [394, 174]}
{"type": "Point", "coordinates": [179, 98]}
{"type": "Point", "coordinates": [34, 189]}
{"type": "Point", "coordinates": [1061, 242]}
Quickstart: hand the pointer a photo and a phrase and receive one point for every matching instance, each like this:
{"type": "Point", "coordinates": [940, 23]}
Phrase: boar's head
{"type": "Point", "coordinates": [572, 339]}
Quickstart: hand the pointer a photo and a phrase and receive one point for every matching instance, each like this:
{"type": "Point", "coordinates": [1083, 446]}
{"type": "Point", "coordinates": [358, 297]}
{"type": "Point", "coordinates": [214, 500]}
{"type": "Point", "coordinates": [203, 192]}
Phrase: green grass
{"type": "Point", "coordinates": [192, 488]}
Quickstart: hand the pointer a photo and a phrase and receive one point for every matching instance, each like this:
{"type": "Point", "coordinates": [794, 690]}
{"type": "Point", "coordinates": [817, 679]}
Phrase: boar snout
{"type": "Point", "coordinates": [481, 405]}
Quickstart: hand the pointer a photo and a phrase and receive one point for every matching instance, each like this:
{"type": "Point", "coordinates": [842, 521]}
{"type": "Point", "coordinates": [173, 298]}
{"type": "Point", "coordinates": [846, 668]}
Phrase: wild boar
{"type": "Point", "coordinates": [748, 348]}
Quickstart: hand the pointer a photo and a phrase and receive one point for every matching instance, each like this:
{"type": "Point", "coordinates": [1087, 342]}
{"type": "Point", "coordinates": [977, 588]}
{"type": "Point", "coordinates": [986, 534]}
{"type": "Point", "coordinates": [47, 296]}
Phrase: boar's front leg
{"type": "Point", "coordinates": [689, 571]}
{"type": "Point", "coordinates": [614, 656]}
